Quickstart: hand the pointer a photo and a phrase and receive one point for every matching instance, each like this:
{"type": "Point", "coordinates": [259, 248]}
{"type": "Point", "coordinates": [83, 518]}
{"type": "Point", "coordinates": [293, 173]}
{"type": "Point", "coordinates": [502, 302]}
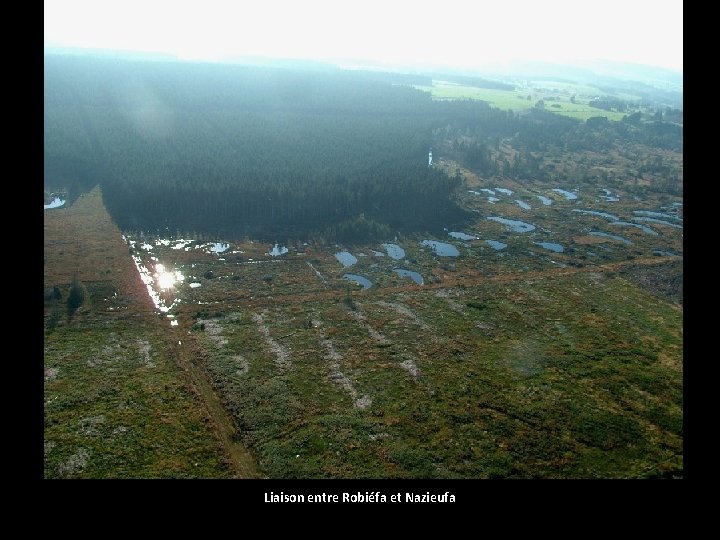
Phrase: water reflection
{"type": "Point", "coordinates": [496, 245]}
{"type": "Point", "coordinates": [166, 279]}
{"type": "Point", "coordinates": [417, 278]}
{"type": "Point", "coordinates": [515, 225]}
{"type": "Point", "coordinates": [346, 258]}
{"type": "Point", "coordinates": [643, 228]}
{"type": "Point", "coordinates": [611, 236]}
{"type": "Point", "coordinates": [360, 280]}
{"type": "Point", "coordinates": [658, 221]}
{"type": "Point", "coordinates": [609, 196]}
{"type": "Point", "coordinates": [569, 196]}
{"type": "Point", "coordinates": [276, 251]}
{"type": "Point", "coordinates": [182, 244]}
{"type": "Point", "coordinates": [394, 251]}
{"type": "Point", "coordinates": [462, 236]}
{"type": "Point", "coordinates": [557, 248]}
{"type": "Point", "coordinates": [545, 200]}
{"type": "Point", "coordinates": [441, 248]}
{"type": "Point", "coordinates": [656, 214]}
{"type": "Point", "coordinates": [57, 202]}
{"type": "Point", "coordinates": [596, 213]}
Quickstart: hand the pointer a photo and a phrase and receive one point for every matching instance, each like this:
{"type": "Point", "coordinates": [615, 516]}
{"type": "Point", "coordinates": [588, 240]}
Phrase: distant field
{"type": "Point", "coordinates": [516, 100]}
{"type": "Point", "coordinates": [503, 99]}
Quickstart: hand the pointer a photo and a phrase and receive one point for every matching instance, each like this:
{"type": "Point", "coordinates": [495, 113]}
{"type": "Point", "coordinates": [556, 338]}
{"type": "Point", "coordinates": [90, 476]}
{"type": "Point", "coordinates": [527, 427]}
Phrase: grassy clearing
{"type": "Point", "coordinates": [116, 404]}
{"type": "Point", "coordinates": [581, 111]}
{"type": "Point", "coordinates": [114, 396]}
{"type": "Point", "coordinates": [504, 99]}
{"type": "Point", "coordinates": [540, 378]}
{"type": "Point", "coordinates": [516, 100]}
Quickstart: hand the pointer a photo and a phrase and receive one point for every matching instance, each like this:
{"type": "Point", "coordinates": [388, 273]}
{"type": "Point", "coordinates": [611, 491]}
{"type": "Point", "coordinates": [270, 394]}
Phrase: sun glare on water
{"type": "Point", "coordinates": [165, 279]}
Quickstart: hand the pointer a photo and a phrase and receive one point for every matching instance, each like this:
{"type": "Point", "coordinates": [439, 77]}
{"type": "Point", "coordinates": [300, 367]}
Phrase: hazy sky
{"type": "Point", "coordinates": [457, 33]}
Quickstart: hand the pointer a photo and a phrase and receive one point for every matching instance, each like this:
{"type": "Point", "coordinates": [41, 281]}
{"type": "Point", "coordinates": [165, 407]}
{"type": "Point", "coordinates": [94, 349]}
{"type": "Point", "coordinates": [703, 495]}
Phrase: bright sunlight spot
{"type": "Point", "coordinates": [165, 279]}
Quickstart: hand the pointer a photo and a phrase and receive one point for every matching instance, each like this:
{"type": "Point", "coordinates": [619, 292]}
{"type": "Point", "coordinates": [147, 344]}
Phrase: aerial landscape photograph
{"type": "Point", "coordinates": [363, 240]}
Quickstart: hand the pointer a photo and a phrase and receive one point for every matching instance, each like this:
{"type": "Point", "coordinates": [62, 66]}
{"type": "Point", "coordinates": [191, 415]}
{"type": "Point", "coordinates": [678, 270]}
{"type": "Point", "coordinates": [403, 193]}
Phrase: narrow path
{"type": "Point", "coordinates": [191, 359]}
{"type": "Point", "coordinates": [319, 275]}
{"type": "Point", "coordinates": [82, 240]}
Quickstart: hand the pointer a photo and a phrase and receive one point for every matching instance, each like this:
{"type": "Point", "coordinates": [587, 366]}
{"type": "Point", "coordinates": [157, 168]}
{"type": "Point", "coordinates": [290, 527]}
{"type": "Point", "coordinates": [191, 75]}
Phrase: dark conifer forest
{"type": "Point", "coordinates": [281, 153]}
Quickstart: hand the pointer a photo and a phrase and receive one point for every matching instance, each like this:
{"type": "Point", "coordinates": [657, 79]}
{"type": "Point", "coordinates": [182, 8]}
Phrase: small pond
{"type": "Point", "coordinates": [182, 244]}
{"type": "Point", "coordinates": [441, 248]}
{"type": "Point", "coordinates": [557, 248]}
{"type": "Point", "coordinates": [545, 200]}
{"type": "Point", "coordinates": [656, 214]}
{"type": "Point", "coordinates": [57, 202]}
{"type": "Point", "coordinates": [643, 228]}
{"type": "Point", "coordinates": [394, 251]}
{"type": "Point", "coordinates": [514, 225]}
{"type": "Point", "coordinates": [611, 236]}
{"type": "Point", "coordinates": [569, 196]}
{"type": "Point", "coordinates": [277, 250]}
{"type": "Point", "coordinates": [417, 278]}
{"type": "Point", "coordinates": [658, 221]}
{"type": "Point", "coordinates": [462, 236]}
{"type": "Point", "coordinates": [596, 213]}
{"type": "Point", "coordinates": [496, 245]}
{"type": "Point", "coordinates": [360, 280]}
{"type": "Point", "coordinates": [609, 196]}
{"type": "Point", "coordinates": [346, 258]}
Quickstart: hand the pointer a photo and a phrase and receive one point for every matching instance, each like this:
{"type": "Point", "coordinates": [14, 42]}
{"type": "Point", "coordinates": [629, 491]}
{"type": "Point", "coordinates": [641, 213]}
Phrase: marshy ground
{"type": "Point", "coordinates": [551, 351]}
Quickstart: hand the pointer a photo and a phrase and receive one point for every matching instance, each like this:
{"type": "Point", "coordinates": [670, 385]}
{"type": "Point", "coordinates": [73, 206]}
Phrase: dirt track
{"type": "Point", "coordinates": [191, 359]}
{"type": "Point", "coordinates": [83, 241]}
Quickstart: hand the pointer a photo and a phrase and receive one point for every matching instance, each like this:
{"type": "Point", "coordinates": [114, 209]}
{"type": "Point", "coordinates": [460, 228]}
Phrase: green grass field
{"type": "Point", "coordinates": [577, 376]}
{"type": "Point", "coordinates": [516, 100]}
{"type": "Point", "coordinates": [116, 407]}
